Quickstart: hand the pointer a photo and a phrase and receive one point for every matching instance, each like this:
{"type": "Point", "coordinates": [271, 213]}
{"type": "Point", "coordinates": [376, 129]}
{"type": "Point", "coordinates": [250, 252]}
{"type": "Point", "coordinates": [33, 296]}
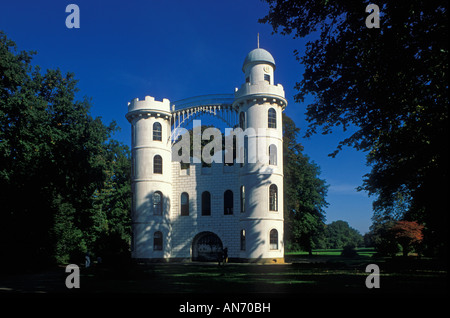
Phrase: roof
{"type": "Point", "coordinates": [258, 55]}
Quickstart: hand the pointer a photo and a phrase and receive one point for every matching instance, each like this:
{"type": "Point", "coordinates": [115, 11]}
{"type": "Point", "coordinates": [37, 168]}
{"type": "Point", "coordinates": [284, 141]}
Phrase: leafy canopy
{"type": "Point", "coordinates": [389, 85]}
{"type": "Point", "coordinates": [60, 171]}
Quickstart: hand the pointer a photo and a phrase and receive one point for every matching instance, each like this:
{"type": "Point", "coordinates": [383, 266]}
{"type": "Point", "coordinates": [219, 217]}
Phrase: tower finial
{"type": "Point", "coordinates": [258, 40]}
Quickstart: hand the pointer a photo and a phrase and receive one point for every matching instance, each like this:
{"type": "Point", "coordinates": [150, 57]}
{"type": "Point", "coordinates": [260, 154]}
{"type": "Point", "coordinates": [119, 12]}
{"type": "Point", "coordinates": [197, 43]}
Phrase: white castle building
{"type": "Point", "coordinates": [191, 212]}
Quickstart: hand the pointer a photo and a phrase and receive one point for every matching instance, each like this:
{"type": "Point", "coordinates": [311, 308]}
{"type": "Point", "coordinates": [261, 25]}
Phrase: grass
{"type": "Point", "coordinates": [336, 276]}
{"type": "Point", "coordinates": [363, 251]}
{"type": "Point", "coordinates": [324, 272]}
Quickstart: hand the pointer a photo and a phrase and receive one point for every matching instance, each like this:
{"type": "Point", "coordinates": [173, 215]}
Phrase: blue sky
{"type": "Point", "coordinates": [177, 49]}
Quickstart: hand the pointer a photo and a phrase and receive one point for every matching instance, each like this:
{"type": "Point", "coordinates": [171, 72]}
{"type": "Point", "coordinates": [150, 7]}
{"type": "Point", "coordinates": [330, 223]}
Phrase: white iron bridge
{"type": "Point", "coordinates": [217, 105]}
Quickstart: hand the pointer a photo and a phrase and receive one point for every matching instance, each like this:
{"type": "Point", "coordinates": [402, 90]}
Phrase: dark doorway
{"type": "Point", "coordinates": [206, 247]}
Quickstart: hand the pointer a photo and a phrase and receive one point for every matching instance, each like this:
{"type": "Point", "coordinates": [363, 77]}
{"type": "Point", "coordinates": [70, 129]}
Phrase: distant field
{"type": "Point", "coordinates": [363, 251]}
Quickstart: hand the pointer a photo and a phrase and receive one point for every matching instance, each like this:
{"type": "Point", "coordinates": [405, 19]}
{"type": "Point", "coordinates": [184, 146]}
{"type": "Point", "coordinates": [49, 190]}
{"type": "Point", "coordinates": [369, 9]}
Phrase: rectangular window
{"type": "Point", "coordinates": [267, 78]}
{"type": "Point", "coordinates": [185, 166]}
{"type": "Point", "coordinates": [228, 202]}
{"type": "Point", "coordinates": [206, 203]}
{"type": "Point", "coordinates": [242, 199]}
{"type": "Point", "coordinates": [157, 241]}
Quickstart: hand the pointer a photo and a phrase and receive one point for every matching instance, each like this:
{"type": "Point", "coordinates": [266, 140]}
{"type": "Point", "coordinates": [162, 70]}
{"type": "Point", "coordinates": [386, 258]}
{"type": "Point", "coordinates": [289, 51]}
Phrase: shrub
{"type": "Point", "coordinates": [349, 251]}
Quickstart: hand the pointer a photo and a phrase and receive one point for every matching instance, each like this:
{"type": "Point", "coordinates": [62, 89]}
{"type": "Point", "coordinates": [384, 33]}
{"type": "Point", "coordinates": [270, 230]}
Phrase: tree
{"type": "Point", "coordinates": [382, 237]}
{"type": "Point", "coordinates": [304, 193]}
{"type": "Point", "coordinates": [388, 235]}
{"type": "Point", "coordinates": [53, 157]}
{"type": "Point", "coordinates": [390, 86]}
{"type": "Point", "coordinates": [407, 234]}
{"type": "Point", "coordinates": [110, 215]}
{"type": "Point", "coordinates": [339, 234]}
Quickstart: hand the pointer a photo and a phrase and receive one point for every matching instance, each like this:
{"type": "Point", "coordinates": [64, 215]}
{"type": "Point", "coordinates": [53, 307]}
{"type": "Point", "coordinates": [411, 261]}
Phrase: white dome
{"type": "Point", "coordinates": [259, 56]}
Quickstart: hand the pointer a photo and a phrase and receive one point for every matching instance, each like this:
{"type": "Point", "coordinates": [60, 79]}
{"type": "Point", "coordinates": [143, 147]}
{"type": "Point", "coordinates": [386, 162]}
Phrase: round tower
{"type": "Point", "coordinates": [260, 103]}
{"type": "Point", "coordinates": [151, 177]}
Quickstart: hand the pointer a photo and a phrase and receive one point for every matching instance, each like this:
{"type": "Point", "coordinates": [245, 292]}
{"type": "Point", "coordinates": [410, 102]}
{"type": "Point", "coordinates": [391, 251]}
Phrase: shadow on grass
{"type": "Point", "coordinates": [334, 275]}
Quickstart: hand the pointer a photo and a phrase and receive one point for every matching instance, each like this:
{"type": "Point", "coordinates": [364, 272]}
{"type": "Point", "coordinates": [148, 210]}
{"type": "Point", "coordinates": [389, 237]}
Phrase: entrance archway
{"type": "Point", "coordinates": [206, 247]}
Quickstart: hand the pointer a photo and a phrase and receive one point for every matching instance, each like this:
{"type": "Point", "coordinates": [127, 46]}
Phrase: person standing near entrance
{"type": "Point", "coordinates": [225, 255]}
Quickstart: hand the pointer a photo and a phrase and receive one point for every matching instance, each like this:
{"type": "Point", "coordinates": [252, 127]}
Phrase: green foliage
{"type": "Point", "coordinates": [56, 163]}
{"type": "Point", "coordinates": [390, 85]}
{"type": "Point", "coordinates": [339, 235]}
{"type": "Point", "coordinates": [408, 234]}
{"type": "Point", "coordinates": [389, 237]}
{"type": "Point", "coordinates": [382, 237]}
{"type": "Point", "coordinates": [112, 203]}
{"type": "Point", "coordinates": [69, 239]}
{"type": "Point", "coordinates": [304, 193]}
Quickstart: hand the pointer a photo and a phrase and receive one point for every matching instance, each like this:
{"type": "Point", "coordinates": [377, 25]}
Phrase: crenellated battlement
{"type": "Point", "coordinates": [149, 103]}
{"type": "Point", "coordinates": [149, 107]}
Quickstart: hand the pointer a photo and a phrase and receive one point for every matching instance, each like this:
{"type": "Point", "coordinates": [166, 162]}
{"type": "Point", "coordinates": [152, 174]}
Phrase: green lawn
{"type": "Point", "coordinates": [363, 251]}
{"type": "Point", "coordinates": [332, 276]}
{"type": "Point", "coordinates": [324, 272]}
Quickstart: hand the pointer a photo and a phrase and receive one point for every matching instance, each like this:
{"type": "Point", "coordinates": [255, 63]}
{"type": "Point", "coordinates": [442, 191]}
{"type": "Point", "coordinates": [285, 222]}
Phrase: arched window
{"type": "Point", "coordinates": [273, 155]}
{"type": "Point", "coordinates": [184, 204]}
{"type": "Point", "coordinates": [157, 241]}
{"type": "Point", "coordinates": [157, 131]}
{"type": "Point", "coordinates": [228, 202]}
{"type": "Point", "coordinates": [273, 238]}
{"type": "Point", "coordinates": [272, 118]}
{"type": "Point", "coordinates": [242, 120]}
{"type": "Point", "coordinates": [157, 164]}
{"type": "Point", "coordinates": [206, 203]}
{"type": "Point", "coordinates": [242, 240]}
{"type": "Point", "coordinates": [242, 199]}
{"type": "Point", "coordinates": [157, 199]}
{"type": "Point", "coordinates": [273, 198]}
